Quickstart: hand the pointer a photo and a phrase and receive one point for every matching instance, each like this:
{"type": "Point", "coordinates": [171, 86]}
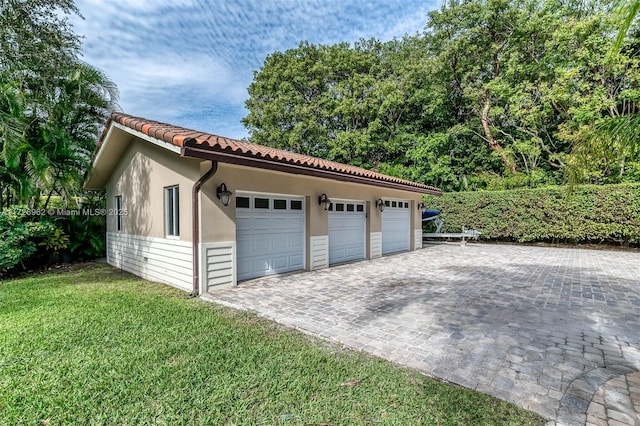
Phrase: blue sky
{"type": "Point", "coordinates": [189, 62]}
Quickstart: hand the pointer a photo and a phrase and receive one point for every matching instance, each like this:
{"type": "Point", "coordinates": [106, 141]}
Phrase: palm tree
{"type": "Point", "coordinates": [629, 13]}
{"type": "Point", "coordinates": [615, 136]}
{"type": "Point", "coordinates": [52, 105]}
{"type": "Point", "coordinates": [14, 183]}
{"type": "Point", "coordinates": [84, 98]}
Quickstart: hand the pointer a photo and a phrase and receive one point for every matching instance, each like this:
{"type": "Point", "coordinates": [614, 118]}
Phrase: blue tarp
{"type": "Point", "coordinates": [429, 214]}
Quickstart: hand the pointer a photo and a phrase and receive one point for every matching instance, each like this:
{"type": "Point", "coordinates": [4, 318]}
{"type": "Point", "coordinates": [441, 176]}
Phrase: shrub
{"type": "Point", "coordinates": [590, 213]}
{"type": "Point", "coordinates": [86, 231]}
{"type": "Point", "coordinates": [87, 236]}
{"type": "Point", "coordinates": [32, 238]}
{"type": "Point", "coordinates": [21, 237]}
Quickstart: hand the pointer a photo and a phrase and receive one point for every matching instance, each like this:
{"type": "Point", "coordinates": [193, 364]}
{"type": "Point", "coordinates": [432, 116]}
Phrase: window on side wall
{"type": "Point", "coordinates": [118, 213]}
{"type": "Point", "coordinates": [172, 211]}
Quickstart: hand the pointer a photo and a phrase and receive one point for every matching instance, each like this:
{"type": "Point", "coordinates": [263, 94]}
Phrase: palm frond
{"type": "Point", "coordinates": [628, 12]}
{"type": "Point", "coordinates": [614, 140]}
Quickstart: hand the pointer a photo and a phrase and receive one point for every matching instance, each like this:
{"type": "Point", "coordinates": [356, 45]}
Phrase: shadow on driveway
{"type": "Point", "coordinates": [542, 327]}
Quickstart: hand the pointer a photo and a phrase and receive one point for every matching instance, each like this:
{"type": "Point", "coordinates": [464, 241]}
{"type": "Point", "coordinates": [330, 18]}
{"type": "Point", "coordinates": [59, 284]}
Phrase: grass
{"type": "Point", "coordinates": [94, 345]}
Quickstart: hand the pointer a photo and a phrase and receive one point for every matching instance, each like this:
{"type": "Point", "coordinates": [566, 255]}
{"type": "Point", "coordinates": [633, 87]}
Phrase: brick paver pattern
{"type": "Point", "coordinates": [616, 402]}
{"type": "Point", "coordinates": [553, 330]}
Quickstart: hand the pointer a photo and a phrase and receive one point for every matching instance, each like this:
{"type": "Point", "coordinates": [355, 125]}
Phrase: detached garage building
{"type": "Point", "coordinates": [198, 211]}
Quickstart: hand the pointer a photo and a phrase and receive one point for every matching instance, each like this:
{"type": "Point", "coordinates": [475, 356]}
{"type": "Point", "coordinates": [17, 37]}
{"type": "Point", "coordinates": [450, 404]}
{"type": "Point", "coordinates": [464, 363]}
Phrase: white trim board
{"type": "Point", "coordinates": [417, 238]}
{"type": "Point", "coordinates": [217, 265]}
{"type": "Point", "coordinates": [376, 244]}
{"type": "Point", "coordinates": [319, 252]}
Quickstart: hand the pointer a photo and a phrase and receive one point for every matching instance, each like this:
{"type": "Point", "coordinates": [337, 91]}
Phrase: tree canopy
{"type": "Point", "coordinates": [616, 137]}
{"type": "Point", "coordinates": [493, 94]}
{"type": "Point", "coordinates": [52, 104]}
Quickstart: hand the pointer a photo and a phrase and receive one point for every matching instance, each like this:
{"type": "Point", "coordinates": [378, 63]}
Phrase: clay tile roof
{"type": "Point", "coordinates": [182, 137]}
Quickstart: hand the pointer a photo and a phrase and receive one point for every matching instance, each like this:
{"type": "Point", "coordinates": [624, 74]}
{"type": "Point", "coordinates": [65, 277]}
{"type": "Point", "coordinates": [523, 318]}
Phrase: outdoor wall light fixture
{"type": "Point", "coordinates": [324, 201]}
{"type": "Point", "coordinates": [224, 195]}
{"type": "Point", "coordinates": [380, 204]}
{"type": "Point", "coordinates": [421, 206]}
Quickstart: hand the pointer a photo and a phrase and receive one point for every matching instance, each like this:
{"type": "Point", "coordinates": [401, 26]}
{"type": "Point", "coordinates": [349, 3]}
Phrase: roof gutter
{"type": "Point", "coordinates": [266, 163]}
{"type": "Point", "coordinates": [195, 217]}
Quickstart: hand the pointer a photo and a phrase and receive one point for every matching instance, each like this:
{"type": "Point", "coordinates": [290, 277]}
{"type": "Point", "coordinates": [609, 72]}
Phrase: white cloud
{"type": "Point", "coordinates": [192, 60]}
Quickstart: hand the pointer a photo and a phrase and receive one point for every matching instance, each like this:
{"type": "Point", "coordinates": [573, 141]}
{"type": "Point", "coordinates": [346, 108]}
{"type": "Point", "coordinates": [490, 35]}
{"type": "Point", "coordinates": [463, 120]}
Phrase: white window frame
{"type": "Point", "coordinates": [172, 212]}
{"type": "Point", "coordinates": [118, 201]}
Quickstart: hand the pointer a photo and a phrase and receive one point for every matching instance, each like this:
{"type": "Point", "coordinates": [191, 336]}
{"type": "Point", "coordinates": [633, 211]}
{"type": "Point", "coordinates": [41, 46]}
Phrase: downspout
{"type": "Point", "coordinates": [195, 215]}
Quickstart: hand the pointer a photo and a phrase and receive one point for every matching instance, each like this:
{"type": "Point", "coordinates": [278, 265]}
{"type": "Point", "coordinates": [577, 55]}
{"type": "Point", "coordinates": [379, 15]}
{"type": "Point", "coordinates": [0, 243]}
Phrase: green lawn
{"type": "Point", "coordinates": [93, 345]}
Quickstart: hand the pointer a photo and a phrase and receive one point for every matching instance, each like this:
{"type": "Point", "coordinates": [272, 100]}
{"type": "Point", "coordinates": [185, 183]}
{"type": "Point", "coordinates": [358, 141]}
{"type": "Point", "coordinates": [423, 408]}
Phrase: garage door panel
{"type": "Point", "coordinates": [396, 227]}
{"type": "Point", "coordinates": [279, 223]}
{"type": "Point", "coordinates": [347, 224]}
{"type": "Point", "coordinates": [292, 222]}
{"type": "Point", "coordinates": [270, 240]}
{"type": "Point", "coordinates": [280, 262]}
{"type": "Point", "coordinates": [337, 255]}
{"type": "Point", "coordinates": [279, 243]}
{"type": "Point", "coordinates": [347, 254]}
{"type": "Point", "coordinates": [261, 265]}
{"type": "Point", "coordinates": [296, 261]}
{"type": "Point", "coordinates": [295, 242]}
{"type": "Point", "coordinates": [260, 244]}
{"type": "Point", "coordinates": [261, 224]}
{"type": "Point", "coordinates": [243, 245]}
{"type": "Point", "coordinates": [244, 268]}
{"type": "Point", "coordinates": [242, 225]}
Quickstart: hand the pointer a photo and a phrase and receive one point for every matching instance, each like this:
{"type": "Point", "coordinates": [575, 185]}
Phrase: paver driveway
{"type": "Point", "coordinates": [553, 330]}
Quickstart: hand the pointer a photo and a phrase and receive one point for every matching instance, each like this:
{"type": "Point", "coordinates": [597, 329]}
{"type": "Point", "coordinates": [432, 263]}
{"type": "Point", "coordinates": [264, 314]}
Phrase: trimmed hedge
{"type": "Point", "coordinates": [587, 214]}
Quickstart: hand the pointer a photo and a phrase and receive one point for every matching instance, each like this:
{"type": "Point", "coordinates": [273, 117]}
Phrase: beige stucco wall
{"type": "Point", "coordinates": [140, 178]}
{"type": "Point", "coordinates": [145, 170]}
{"type": "Point", "coordinates": [218, 222]}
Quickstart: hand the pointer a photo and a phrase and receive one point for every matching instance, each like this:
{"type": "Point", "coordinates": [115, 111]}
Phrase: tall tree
{"type": "Point", "coordinates": [51, 103]}
{"type": "Point", "coordinates": [613, 140]}
{"type": "Point", "coordinates": [483, 99]}
{"type": "Point", "coordinates": [473, 40]}
{"type": "Point", "coordinates": [314, 99]}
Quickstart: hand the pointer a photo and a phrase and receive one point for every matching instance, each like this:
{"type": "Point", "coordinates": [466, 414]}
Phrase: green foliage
{"type": "Point", "coordinates": [56, 241]}
{"type": "Point", "coordinates": [52, 105]}
{"type": "Point", "coordinates": [629, 10]}
{"type": "Point", "coordinates": [88, 236]}
{"type": "Point", "coordinates": [33, 238]}
{"type": "Point", "coordinates": [607, 213]}
{"type": "Point", "coordinates": [87, 232]}
{"type": "Point", "coordinates": [482, 100]}
{"type": "Point", "coordinates": [20, 237]}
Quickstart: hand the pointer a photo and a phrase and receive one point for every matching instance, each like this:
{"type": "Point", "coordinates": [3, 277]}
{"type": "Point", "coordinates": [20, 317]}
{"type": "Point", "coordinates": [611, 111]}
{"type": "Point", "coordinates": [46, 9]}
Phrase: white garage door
{"type": "Point", "coordinates": [396, 226]}
{"type": "Point", "coordinates": [347, 222]}
{"type": "Point", "coordinates": [269, 234]}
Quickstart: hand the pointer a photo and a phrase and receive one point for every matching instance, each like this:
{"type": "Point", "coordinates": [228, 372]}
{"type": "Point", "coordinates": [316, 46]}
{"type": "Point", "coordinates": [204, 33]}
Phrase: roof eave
{"type": "Point", "coordinates": [270, 164]}
{"type": "Point", "coordinates": [92, 182]}
{"type": "Point", "coordinates": [96, 181]}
